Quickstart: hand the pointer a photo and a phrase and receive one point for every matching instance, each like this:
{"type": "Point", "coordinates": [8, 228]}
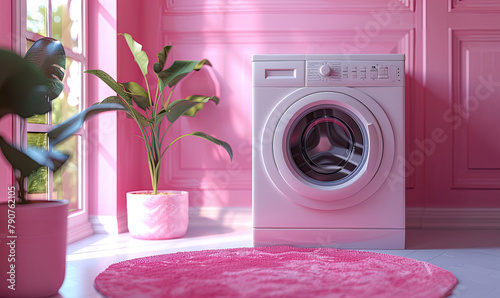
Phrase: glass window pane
{"type": "Point", "coordinates": [68, 102]}
{"type": "Point", "coordinates": [67, 23]}
{"type": "Point", "coordinates": [36, 16]}
{"type": "Point", "coordinates": [37, 181]}
{"type": "Point", "coordinates": [29, 43]}
{"type": "Point", "coordinates": [38, 119]}
{"type": "Point", "coordinates": [65, 180]}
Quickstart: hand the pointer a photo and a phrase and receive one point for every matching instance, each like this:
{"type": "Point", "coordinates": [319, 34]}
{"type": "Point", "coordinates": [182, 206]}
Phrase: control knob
{"type": "Point", "coordinates": [325, 70]}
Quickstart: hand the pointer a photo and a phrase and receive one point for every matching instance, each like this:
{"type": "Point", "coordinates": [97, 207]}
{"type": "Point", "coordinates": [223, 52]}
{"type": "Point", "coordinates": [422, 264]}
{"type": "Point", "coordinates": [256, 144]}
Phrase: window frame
{"type": "Point", "coordinates": [78, 221]}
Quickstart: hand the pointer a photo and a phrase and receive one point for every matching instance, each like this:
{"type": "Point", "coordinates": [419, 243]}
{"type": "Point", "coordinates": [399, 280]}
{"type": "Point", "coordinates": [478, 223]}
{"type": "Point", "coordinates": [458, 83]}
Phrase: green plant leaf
{"type": "Point", "coordinates": [31, 159]}
{"type": "Point", "coordinates": [159, 117]}
{"type": "Point", "coordinates": [131, 111]}
{"type": "Point", "coordinates": [113, 99]}
{"type": "Point", "coordinates": [49, 55]}
{"type": "Point", "coordinates": [202, 100]}
{"type": "Point", "coordinates": [215, 141]}
{"type": "Point", "coordinates": [106, 78]}
{"type": "Point", "coordinates": [18, 159]}
{"type": "Point", "coordinates": [52, 159]}
{"type": "Point", "coordinates": [138, 94]}
{"type": "Point", "coordinates": [73, 124]}
{"type": "Point", "coordinates": [140, 57]}
{"type": "Point", "coordinates": [177, 108]}
{"type": "Point", "coordinates": [23, 88]}
{"type": "Point", "coordinates": [143, 121]}
{"type": "Point", "coordinates": [162, 58]}
{"type": "Point", "coordinates": [178, 70]}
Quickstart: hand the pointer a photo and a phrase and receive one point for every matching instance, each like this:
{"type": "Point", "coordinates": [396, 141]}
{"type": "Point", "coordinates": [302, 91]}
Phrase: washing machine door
{"type": "Point", "coordinates": [330, 149]}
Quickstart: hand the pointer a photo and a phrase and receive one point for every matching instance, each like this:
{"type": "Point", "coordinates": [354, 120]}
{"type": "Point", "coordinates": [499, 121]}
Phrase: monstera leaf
{"type": "Point", "coordinates": [30, 159]}
{"type": "Point", "coordinates": [73, 124]}
{"type": "Point", "coordinates": [23, 88]}
{"type": "Point", "coordinates": [27, 85]}
{"type": "Point", "coordinates": [49, 56]}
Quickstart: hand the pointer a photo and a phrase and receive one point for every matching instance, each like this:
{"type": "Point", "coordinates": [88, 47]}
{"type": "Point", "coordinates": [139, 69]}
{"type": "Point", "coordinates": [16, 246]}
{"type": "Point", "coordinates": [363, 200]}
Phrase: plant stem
{"type": "Point", "coordinates": [189, 134]}
{"type": "Point", "coordinates": [22, 190]}
{"type": "Point", "coordinates": [147, 86]}
{"type": "Point", "coordinates": [169, 96]}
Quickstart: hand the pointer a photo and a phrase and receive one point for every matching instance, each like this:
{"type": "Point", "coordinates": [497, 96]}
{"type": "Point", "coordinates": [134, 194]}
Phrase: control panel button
{"type": "Point", "coordinates": [345, 72]}
{"type": "Point", "coordinates": [362, 73]}
{"type": "Point", "coordinates": [383, 72]}
{"type": "Point", "coordinates": [325, 70]}
{"type": "Point", "coordinates": [373, 72]}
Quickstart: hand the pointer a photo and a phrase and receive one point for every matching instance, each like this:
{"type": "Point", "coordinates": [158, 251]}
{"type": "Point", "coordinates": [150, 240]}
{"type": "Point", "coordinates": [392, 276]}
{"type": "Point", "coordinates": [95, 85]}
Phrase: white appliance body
{"type": "Point", "coordinates": [328, 152]}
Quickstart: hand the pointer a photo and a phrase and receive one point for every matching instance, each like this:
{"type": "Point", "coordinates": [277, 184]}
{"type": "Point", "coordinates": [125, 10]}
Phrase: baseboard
{"type": "Point", "coordinates": [79, 232]}
{"type": "Point", "coordinates": [453, 218]}
{"type": "Point", "coordinates": [109, 224]}
{"type": "Point", "coordinates": [220, 216]}
{"type": "Point", "coordinates": [416, 218]}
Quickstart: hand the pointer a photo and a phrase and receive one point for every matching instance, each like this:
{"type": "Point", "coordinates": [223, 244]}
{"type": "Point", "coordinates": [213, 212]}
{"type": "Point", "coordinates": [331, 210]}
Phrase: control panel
{"type": "Point", "coordinates": [355, 73]}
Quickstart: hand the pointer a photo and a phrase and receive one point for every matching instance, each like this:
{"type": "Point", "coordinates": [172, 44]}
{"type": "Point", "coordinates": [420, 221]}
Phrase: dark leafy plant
{"type": "Point", "coordinates": [27, 85]}
{"type": "Point", "coordinates": [149, 110]}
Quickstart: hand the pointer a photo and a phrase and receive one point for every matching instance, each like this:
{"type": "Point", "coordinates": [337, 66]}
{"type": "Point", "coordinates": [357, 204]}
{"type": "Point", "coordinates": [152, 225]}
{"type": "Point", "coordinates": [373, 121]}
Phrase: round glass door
{"type": "Point", "coordinates": [326, 145]}
{"type": "Point", "coordinates": [325, 150]}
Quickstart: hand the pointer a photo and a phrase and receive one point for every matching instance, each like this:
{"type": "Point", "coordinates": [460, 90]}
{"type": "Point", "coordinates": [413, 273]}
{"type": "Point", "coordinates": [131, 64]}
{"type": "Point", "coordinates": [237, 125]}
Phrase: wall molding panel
{"type": "Point", "coordinates": [230, 32]}
{"type": "Point", "coordinates": [448, 45]}
{"type": "Point", "coordinates": [197, 7]}
{"type": "Point", "coordinates": [224, 175]}
{"type": "Point", "coordinates": [487, 6]}
{"type": "Point", "coordinates": [474, 82]}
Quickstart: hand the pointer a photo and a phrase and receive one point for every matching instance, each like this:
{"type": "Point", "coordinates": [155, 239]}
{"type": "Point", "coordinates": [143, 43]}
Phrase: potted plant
{"type": "Point", "coordinates": [158, 214]}
{"type": "Point", "coordinates": [33, 233]}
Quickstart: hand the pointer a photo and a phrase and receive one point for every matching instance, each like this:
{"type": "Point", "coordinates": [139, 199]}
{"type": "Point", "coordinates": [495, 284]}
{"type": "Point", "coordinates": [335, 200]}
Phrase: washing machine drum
{"type": "Point", "coordinates": [329, 150]}
{"type": "Point", "coordinates": [325, 145]}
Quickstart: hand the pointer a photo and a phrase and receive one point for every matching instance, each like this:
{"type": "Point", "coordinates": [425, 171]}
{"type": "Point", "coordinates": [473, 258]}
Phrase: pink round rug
{"type": "Point", "coordinates": [277, 271]}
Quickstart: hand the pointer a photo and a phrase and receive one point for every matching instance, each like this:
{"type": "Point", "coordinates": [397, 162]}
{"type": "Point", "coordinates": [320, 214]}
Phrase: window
{"type": "Point", "coordinates": [64, 21]}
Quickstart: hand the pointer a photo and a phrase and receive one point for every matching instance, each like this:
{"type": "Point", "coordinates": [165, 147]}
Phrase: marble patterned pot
{"type": "Point", "coordinates": [156, 217]}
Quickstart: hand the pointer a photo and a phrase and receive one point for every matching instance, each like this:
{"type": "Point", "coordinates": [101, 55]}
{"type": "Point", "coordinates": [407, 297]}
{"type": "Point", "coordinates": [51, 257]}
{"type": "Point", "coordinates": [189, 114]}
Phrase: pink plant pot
{"type": "Point", "coordinates": [155, 217]}
{"type": "Point", "coordinates": [34, 261]}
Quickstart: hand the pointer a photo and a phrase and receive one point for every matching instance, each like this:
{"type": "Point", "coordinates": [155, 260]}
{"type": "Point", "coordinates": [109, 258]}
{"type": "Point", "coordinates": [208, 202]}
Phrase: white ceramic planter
{"type": "Point", "coordinates": [37, 253]}
{"type": "Point", "coordinates": [155, 217]}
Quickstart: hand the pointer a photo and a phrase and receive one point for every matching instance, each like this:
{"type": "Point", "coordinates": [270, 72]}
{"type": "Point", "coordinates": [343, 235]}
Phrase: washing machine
{"type": "Point", "coordinates": [328, 151]}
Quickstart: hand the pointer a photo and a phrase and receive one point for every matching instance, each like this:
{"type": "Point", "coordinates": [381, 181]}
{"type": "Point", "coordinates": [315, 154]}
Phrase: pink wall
{"type": "Point", "coordinates": [118, 164]}
{"type": "Point", "coordinates": [452, 75]}
{"type": "Point", "coordinates": [462, 82]}
{"type": "Point", "coordinates": [228, 33]}
{"type": "Point", "coordinates": [102, 130]}
{"type": "Point", "coordinates": [6, 121]}
{"type": "Point", "coordinates": [142, 23]}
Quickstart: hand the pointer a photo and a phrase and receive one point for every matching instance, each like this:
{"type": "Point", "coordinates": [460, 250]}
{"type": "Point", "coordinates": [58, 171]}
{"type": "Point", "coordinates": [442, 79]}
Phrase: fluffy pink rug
{"type": "Point", "coordinates": [279, 271]}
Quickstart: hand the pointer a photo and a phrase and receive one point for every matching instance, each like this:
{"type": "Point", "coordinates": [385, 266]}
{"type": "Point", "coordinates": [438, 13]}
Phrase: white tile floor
{"type": "Point", "coordinates": [472, 255]}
